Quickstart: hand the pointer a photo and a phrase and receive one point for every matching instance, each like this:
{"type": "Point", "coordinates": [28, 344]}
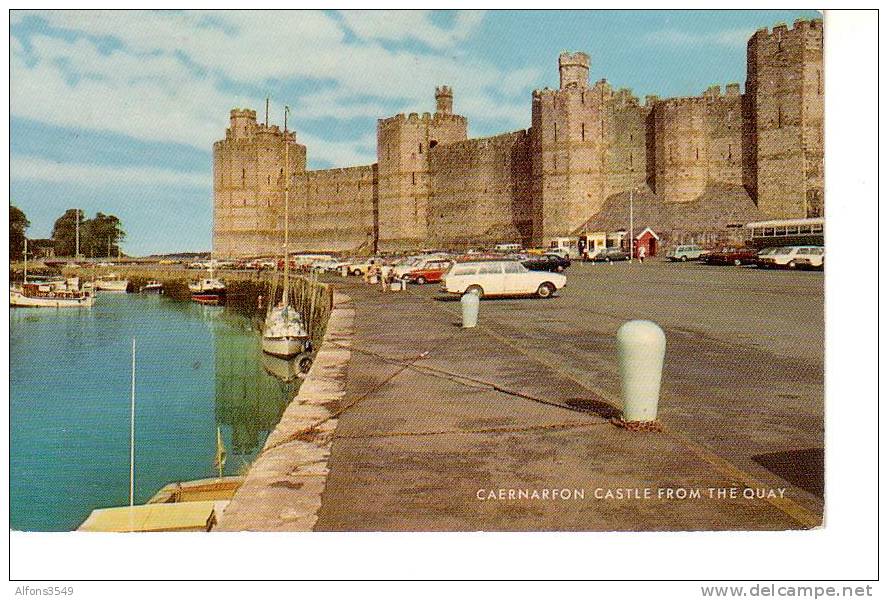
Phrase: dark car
{"type": "Point", "coordinates": [610, 255]}
{"type": "Point", "coordinates": [547, 262]}
{"type": "Point", "coordinates": [731, 256]}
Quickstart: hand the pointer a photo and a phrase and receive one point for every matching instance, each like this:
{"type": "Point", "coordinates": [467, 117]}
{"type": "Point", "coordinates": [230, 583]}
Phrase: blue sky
{"type": "Point", "coordinates": [117, 112]}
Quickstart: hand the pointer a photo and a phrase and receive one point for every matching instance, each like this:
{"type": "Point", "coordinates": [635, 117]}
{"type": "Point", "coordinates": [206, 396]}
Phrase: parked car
{"type": "Point", "coordinates": [685, 253]}
{"type": "Point", "coordinates": [322, 265]}
{"type": "Point", "coordinates": [789, 257]}
{"type": "Point", "coordinates": [362, 265]}
{"type": "Point", "coordinates": [763, 253]}
{"type": "Point", "coordinates": [432, 271]}
{"type": "Point", "coordinates": [731, 256]}
{"type": "Point", "coordinates": [501, 278]}
{"type": "Point", "coordinates": [810, 258]}
{"type": "Point", "coordinates": [547, 262]}
{"type": "Point", "coordinates": [610, 255]}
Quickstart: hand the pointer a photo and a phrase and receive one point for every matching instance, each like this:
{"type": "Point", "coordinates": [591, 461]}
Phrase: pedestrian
{"type": "Point", "coordinates": [641, 254]}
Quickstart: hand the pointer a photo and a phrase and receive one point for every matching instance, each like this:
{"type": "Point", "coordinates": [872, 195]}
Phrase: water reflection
{"type": "Point", "coordinates": [285, 370]}
{"type": "Point", "coordinates": [250, 405]}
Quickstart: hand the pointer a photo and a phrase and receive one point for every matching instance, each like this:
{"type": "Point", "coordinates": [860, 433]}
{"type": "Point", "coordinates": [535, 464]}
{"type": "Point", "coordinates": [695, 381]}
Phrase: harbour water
{"type": "Point", "coordinates": [196, 368]}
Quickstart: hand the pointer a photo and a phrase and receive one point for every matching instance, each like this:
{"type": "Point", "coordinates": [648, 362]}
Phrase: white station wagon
{"type": "Point", "coordinates": [501, 278]}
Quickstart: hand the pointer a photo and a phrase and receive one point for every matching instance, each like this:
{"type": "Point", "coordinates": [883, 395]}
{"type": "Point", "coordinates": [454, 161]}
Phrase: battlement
{"type": "Point", "coordinates": [476, 144]}
{"type": "Point", "coordinates": [358, 172]}
{"type": "Point", "coordinates": [443, 100]}
{"type": "Point", "coordinates": [780, 30]}
{"type": "Point", "coordinates": [415, 118]}
{"type": "Point", "coordinates": [243, 113]}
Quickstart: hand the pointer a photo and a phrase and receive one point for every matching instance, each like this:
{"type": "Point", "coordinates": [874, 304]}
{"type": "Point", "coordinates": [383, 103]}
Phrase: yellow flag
{"type": "Point", "coordinates": [219, 463]}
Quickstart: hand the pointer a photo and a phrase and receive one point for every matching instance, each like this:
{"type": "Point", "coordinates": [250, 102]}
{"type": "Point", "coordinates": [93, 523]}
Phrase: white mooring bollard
{"type": "Point", "coordinates": [641, 348]}
{"type": "Point", "coordinates": [470, 302]}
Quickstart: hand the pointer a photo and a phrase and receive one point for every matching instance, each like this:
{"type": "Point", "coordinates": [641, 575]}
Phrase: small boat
{"type": "Point", "coordinates": [152, 287]}
{"type": "Point", "coordinates": [111, 283]}
{"type": "Point", "coordinates": [285, 334]}
{"type": "Point", "coordinates": [208, 290]}
{"type": "Point", "coordinates": [47, 295]}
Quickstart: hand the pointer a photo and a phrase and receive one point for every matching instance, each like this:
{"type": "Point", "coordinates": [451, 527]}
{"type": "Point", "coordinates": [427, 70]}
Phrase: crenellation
{"type": "Point", "coordinates": [587, 144]}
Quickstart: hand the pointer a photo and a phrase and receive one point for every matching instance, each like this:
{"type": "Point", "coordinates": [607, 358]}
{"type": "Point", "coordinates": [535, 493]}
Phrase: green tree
{"type": "Point", "coordinates": [64, 232]}
{"type": "Point", "coordinates": [18, 223]}
{"type": "Point", "coordinates": [98, 236]}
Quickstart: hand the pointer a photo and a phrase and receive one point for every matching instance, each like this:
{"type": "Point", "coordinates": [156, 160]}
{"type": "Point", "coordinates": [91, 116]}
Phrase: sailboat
{"type": "Point", "coordinates": [208, 290]}
{"type": "Point", "coordinates": [284, 333]}
{"type": "Point", "coordinates": [47, 294]}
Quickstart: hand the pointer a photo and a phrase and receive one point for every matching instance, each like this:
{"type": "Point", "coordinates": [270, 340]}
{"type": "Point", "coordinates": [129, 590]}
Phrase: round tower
{"type": "Point", "coordinates": [444, 100]}
{"type": "Point", "coordinates": [573, 69]}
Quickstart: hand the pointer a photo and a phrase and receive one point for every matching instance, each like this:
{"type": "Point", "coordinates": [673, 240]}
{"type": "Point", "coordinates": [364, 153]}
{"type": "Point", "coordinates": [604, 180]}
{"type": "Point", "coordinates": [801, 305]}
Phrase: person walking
{"type": "Point", "coordinates": [641, 254]}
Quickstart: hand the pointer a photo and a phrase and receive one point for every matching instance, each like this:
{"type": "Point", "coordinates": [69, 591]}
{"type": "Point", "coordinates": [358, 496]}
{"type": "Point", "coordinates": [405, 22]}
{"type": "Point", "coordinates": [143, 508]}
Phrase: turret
{"type": "Point", "coordinates": [573, 70]}
{"type": "Point", "coordinates": [243, 122]}
{"type": "Point", "coordinates": [444, 100]}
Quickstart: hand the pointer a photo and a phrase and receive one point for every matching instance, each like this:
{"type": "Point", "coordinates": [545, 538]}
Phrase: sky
{"type": "Point", "coordinates": [117, 111]}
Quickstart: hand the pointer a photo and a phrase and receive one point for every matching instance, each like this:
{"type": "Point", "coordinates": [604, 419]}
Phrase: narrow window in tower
{"type": "Point", "coordinates": [630, 162]}
{"type": "Point", "coordinates": [779, 116]}
{"type": "Point", "coordinates": [420, 147]}
{"type": "Point", "coordinates": [819, 83]}
{"type": "Point", "coordinates": [556, 132]}
{"type": "Point", "coordinates": [243, 175]}
{"type": "Point", "coordinates": [414, 178]}
{"type": "Point", "coordinates": [730, 155]}
{"type": "Point", "coordinates": [583, 132]}
{"type": "Point", "coordinates": [268, 179]}
{"type": "Point", "coordinates": [696, 153]}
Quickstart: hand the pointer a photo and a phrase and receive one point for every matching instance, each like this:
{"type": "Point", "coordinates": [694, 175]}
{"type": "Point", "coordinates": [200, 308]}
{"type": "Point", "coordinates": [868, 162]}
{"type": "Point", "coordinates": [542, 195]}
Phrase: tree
{"type": "Point", "coordinates": [99, 236]}
{"type": "Point", "coordinates": [18, 223]}
{"type": "Point", "coordinates": [64, 232]}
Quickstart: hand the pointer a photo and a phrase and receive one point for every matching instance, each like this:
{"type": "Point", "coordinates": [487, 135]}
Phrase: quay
{"type": "Point", "coordinates": [407, 422]}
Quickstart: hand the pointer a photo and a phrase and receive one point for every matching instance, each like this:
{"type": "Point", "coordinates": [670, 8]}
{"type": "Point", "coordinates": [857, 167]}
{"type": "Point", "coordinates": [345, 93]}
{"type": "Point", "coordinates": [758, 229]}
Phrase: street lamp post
{"type": "Point", "coordinates": [631, 225]}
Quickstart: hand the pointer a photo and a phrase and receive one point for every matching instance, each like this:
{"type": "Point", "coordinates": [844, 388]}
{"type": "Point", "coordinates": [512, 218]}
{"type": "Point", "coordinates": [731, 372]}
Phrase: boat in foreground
{"type": "Point", "coordinates": [208, 290]}
{"type": "Point", "coordinates": [46, 295]}
{"type": "Point", "coordinates": [285, 334]}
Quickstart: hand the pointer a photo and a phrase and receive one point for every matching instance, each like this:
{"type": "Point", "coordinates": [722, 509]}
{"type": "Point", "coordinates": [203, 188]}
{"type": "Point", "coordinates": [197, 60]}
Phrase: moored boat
{"type": "Point", "coordinates": [111, 283]}
{"type": "Point", "coordinates": [46, 295]}
{"type": "Point", "coordinates": [152, 287]}
{"type": "Point", "coordinates": [208, 290]}
{"type": "Point", "coordinates": [285, 334]}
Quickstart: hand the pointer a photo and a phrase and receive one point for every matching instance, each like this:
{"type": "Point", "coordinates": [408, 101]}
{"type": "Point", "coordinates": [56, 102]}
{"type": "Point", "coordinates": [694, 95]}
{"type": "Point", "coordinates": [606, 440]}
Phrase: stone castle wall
{"type": "Point", "coordinates": [475, 184]}
{"type": "Point", "coordinates": [587, 147]}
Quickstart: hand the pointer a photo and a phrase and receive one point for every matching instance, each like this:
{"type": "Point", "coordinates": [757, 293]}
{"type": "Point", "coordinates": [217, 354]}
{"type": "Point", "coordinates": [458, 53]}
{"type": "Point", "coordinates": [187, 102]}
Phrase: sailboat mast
{"type": "Point", "coordinates": [77, 234]}
{"type": "Point", "coordinates": [286, 211]}
{"type": "Point", "coordinates": [133, 425]}
{"type": "Point", "coordinates": [26, 259]}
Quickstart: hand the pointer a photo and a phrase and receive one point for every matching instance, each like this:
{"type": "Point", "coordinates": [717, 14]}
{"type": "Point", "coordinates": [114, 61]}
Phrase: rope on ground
{"type": "Point", "coordinates": [530, 428]}
{"type": "Point", "coordinates": [300, 434]}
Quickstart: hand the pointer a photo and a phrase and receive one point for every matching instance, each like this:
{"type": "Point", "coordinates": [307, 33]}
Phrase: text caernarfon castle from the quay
{"type": "Point", "coordinates": [695, 164]}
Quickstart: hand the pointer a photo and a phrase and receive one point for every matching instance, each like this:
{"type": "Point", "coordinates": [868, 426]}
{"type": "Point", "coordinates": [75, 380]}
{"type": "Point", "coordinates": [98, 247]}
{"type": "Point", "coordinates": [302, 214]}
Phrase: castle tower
{"type": "Point", "coordinates": [569, 139]}
{"type": "Point", "coordinates": [573, 70]}
{"type": "Point", "coordinates": [784, 90]}
{"type": "Point", "coordinates": [248, 186]}
{"type": "Point", "coordinates": [444, 100]}
{"type": "Point", "coordinates": [403, 147]}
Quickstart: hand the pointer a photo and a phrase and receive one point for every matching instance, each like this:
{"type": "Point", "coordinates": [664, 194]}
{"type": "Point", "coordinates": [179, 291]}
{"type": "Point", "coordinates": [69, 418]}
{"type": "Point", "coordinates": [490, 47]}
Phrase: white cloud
{"type": "Point", "coordinates": [145, 90]}
{"type": "Point", "coordinates": [416, 25]}
{"type": "Point", "coordinates": [731, 38]}
{"type": "Point", "coordinates": [29, 168]}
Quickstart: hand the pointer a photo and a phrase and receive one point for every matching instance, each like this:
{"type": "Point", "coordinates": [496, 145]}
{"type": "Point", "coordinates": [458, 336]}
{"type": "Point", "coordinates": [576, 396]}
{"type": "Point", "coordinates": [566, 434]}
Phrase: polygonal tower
{"type": "Point", "coordinates": [403, 146]}
{"type": "Point", "coordinates": [784, 89]}
{"type": "Point", "coordinates": [248, 186]}
{"type": "Point", "coordinates": [569, 137]}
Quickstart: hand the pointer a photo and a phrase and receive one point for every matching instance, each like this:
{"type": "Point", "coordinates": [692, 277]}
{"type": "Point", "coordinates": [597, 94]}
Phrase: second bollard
{"type": "Point", "coordinates": [641, 348]}
{"type": "Point", "coordinates": [470, 302]}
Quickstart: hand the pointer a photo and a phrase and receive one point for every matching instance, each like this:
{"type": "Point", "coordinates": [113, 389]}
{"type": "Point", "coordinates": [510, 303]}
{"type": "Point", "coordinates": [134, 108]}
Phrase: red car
{"type": "Point", "coordinates": [732, 256]}
{"type": "Point", "coordinates": [432, 272]}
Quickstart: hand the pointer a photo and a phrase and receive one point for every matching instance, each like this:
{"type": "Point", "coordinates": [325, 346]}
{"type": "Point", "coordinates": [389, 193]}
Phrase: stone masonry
{"type": "Point", "coordinates": [588, 145]}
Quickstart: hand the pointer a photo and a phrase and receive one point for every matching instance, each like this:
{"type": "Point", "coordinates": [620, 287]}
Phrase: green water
{"type": "Point", "coordinates": [196, 367]}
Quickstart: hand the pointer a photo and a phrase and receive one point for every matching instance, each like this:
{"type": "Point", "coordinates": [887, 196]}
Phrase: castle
{"type": "Point", "coordinates": [694, 164]}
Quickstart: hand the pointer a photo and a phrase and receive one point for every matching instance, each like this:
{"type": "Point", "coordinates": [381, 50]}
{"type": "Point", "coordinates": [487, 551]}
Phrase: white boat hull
{"type": "Point", "coordinates": [18, 299]}
{"type": "Point", "coordinates": [283, 347]}
{"type": "Point", "coordinates": [112, 286]}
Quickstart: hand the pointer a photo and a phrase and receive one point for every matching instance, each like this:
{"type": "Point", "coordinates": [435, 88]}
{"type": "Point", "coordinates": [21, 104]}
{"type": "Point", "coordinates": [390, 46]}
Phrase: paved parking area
{"type": "Point", "coordinates": [744, 360]}
{"type": "Point", "coordinates": [742, 402]}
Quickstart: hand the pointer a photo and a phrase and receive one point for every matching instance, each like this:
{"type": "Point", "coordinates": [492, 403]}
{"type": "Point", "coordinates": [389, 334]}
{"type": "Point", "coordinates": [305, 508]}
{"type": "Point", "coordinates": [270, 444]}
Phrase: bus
{"type": "Point", "coordinates": [787, 232]}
